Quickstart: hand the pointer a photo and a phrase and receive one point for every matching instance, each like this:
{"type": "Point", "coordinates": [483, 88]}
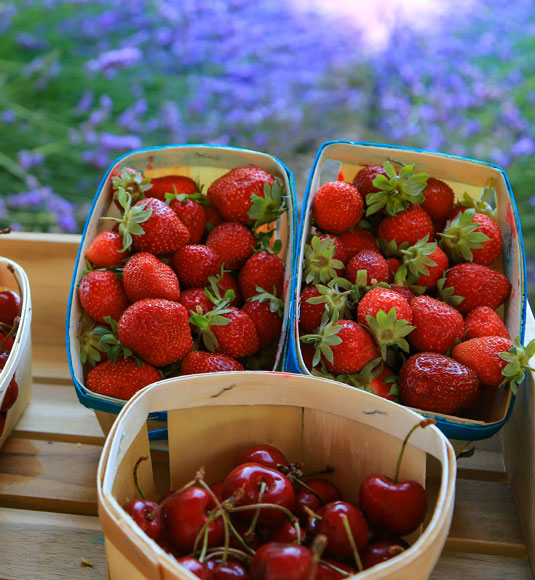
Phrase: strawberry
{"type": "Point", "coordinates": [316, 299]}
{"type": "Point", "coordinates": [439, 198]}
{"type": "Point", "coordinates": [261, 270]}
{"type": "Point", "coordinates": [423, 265]}
{"type": "Point", "coordinates": [408, 226]}
{"type": "Point", "coordinates": [132, 182]}
{"type": "Point", "coordinates": [434, 382]}
{"type": "Point", "coordinates": [393, 265]}
{"type": "Point", "coordinates": [483, 321]}
{"type": "Point", "coordinates": [375, 378]}
{"type": "Point", "coordinates": [232, 194]}
{"type": "Point", "coordinates": [320, 263]}
{"type": "Point", "coordinates": [101, 294]}
{"type": "Point", "coordinates": [404, 291]}
{"type": "Point", "coordinates": [437, 325]}
{"type": "Point", "coordinates": [356, 240]}
{"type": "Point", "coordinates": [469, 285]}
{"type": "Point", "coordinates": [222, 283]}
{"type": "Point", "coordinates": [121, 379]}
{"type": "Point", "coordinates": [212, 217]}
{"type": "Point", "coordinates": [190, 213]}
{"type": "Point", "coordinates": [197, 362]}
{"type": "Point", "coordinates": [171, 184]}
{"type": "Point", "coordinates": [195, 300]}
{"type": "Point", "coordinates": [337, 206]}
{"type": "Point", "coordinates": [106, 250]}
{"type": "Point", "coordinates": [156, 330]}
{"type": "Point", "coordinates": [194, 264]}
{"type": "Point", "coordinates": [265, 310]}
{"type": "Point", "coordinates": [145, 276]}
{"type": "Point", "coordinates": [363, 180]}
{"type": "Point", "coordinates": [376, 267]}
{"type": "Point", "coordinates": [233, 243]}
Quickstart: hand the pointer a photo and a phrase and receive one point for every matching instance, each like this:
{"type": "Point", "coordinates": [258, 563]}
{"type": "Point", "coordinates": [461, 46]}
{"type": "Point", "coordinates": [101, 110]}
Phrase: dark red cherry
{"type": "Point", "coordinates": [264, 454]}
{"type": "Point", "coordinates": [10, 306]}
{"type": "Point", "coordinates": [195, 567]}
{"type": "Point", "coordinates": [323, 492]}
{"type": "Point", "coordinates": [287, 534]}
{"type": "Point", "coordinates": [330, 572]}
{"type": "Point", "coordinates": [230, 570]}
{"type": "Point", "coordinates": [147, 516]}
{"type": "Point", "coordinates": [276, 561]}
{"type": "Point", "coordinates": [381, 551]}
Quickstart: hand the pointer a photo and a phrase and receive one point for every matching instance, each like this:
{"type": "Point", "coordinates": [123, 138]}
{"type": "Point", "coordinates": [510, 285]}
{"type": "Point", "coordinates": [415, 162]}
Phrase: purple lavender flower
{"type": "Point", "coordinates": [111, 142]}
{"type": "Point", "coordinates": [27, 159]}
{"type": "Point", "coordinates": [109, 62]}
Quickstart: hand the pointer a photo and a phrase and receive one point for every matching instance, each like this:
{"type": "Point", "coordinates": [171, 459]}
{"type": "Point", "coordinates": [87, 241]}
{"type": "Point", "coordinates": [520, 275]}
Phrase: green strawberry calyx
{"type": "Point", "coordinates": [518, 358]}
{"type": "Point", "coordinates": [213, 291]}
{"type": "Point", "coordinates": [336, 296]}
{"type": "Point", "coordinates": [389, 331]}
{"type": "Point", "coordinates": [198, 197]}
{"type": "Point", "coordinates": [325, 338]}
{"type": "Point", "coordinates": [320, 265]}
{"type": "Point", "coordinates": [482, 204]}
{"type": "Point", "coordinates": [132, 181]}
{"type": "Point", "coordinates": [460, 237]}
{"type": "Point", "coordinates": [364, 377]}
{"type": "Point", "coordinates": [215, 317]}
{"type": "Point", "coordinates": [416, 262]}
{"type": "Point", "coordinates": [269, 208]}
{"type": "Point", "coordinates": [108, 342]}
{"type": "Point", "coordinates": [275, 303]}
{"type": "Point", "coordinates": [447, 293]}
{"type": "Point", "coordinates": [396, 191]}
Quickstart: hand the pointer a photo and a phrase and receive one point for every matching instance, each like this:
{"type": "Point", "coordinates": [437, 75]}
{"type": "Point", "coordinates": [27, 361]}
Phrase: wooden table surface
{"type": "Point", "coordinates": [49, 528]}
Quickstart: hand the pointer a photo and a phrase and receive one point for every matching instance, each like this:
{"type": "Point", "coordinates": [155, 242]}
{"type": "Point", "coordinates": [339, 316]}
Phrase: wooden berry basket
{"type": "Point", "coordinates": [316, 420]}
{"type": "Point", "coordinates": [345, 158]}
{"type": "Point", "coordinates": [19, 363]}
{"type": "Point", "coordinates": [205, 163]}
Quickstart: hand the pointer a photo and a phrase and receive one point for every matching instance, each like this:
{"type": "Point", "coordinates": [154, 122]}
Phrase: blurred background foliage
{"type": "Point", "coordinates": [84, 81]}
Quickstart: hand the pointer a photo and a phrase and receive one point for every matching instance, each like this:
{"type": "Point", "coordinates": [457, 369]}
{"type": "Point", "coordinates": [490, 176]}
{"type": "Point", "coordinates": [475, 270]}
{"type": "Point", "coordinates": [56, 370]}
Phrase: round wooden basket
{"type": "Point", "coordinates": [313, 420]}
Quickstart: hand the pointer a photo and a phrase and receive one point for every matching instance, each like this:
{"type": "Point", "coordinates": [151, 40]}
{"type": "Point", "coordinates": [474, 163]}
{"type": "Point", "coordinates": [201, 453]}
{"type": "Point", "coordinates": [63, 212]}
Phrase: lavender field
{"type": "Point", "coordinates": [84, 81]}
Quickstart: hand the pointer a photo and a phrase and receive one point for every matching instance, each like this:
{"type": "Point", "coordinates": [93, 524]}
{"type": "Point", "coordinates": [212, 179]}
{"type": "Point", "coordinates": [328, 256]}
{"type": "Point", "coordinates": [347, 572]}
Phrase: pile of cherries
{"type": "Point", "coordinates": [268, 521]}
{"type": "Point", "coordinates": [10, 309]}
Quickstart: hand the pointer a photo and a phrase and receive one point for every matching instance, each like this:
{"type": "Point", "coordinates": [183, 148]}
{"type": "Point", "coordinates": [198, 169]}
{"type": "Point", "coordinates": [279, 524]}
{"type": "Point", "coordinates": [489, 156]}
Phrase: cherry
{"type": "Point", "coordinates": [264, 454]}
{"type": "Point", "coordinates": [251, 539]}
{"type": "Point", "coordinates": [186, 514]}
{"type": "Point", "coordinates": [12, 392]}
{"type": "Point", "coordinates": [147, 516]}
{"type": "Point", "coordinates": [398, 507]}
{"type": "Point", "coordinates": [217, 489]}
{"type": "Point", "coordinates": [287, 534]}
{"type": "Point", "coordinates": [195, 567]}
{"type": "Point", "coordinates": [6, 343]}
{"type": "Point", "coordinates": [382, 551]}
{"type": "Point", "coordinates": [333, 527]}
{"type": "Point", "coordinates": [315, 493]}
{"type": "Point", "coordinates": [229, 570]}
{"type": "Point", "coordinates": [252, 483]}
{"type": "Point", "coordinates": [333, 570]}
{"type": "Point", "coordinates": [278, 561]}
{"type": "Point", "coordinates": [2, 423]}
{"type": "Point", "coordinates": [10, 306]}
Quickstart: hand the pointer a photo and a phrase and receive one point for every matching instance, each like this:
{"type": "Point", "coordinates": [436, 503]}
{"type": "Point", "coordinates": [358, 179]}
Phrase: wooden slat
{"type": "Point", "coordinates": [49, 363]}
{"type": "Point", "coordinates": [49, 546]}
{"type": "Point", "coordinates": [459, 566]}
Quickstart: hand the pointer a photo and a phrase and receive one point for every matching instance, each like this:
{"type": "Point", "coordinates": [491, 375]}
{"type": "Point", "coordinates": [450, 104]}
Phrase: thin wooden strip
{"type": "Point", "coordinates": [460, 566]}
{"type": "Point", "coordinates": [50, 363]}
{"type": "Point", "coordinates": [491, 548]}
{"type": "Point", "coordinates": [49, 476]}
{"type": "Point", "coordinates": [50, 546]}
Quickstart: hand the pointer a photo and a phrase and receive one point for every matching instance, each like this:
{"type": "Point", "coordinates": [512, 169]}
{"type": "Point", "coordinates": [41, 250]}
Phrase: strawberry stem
{"type": "Point", "coordinates": [423, 424]}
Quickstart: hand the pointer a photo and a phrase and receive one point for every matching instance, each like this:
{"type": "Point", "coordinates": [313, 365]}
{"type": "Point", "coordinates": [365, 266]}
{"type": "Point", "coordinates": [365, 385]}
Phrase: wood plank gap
{"type": "Point", "coordinates": [482, 475]}
{"type": "Point", "coordinates": [52, 505]}
{"type": "Point", "coordinates": [59, 437]}
{"type": "Point", "coordinates": [486, 547]}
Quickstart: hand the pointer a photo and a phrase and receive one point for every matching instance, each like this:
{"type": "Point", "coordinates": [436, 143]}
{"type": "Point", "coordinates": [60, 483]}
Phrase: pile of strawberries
{"type": "Point", "coordinates": [184, 281]}
{"type": "Point", "coordinates": [399, 291]}
{"type": "Point", "coordinates": [10, 310]}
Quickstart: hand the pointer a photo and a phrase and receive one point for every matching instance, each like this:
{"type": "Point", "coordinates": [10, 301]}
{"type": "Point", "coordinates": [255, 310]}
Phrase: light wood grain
{"type": "Point", "coordinates": [459, 566]}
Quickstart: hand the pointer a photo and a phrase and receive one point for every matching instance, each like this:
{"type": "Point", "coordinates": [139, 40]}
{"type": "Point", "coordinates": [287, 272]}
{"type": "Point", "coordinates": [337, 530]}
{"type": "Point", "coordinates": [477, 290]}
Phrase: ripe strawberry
{"type": "Point", "coordinates": [105, 251]}
{"type": "Point", "coordinates": [376, 267]}
{"type": "Point", "coordinates": [101, 294]}
{"type": "Point", "coordinates": [195, 300]}
{"type": "Point", "coordinates": [226, 281]}
{"type": "Point", "coordinates": [132, 182]}
{"type": "Point", "coordinates": [355, 241]}
{"type": "Point", "coordinates": [156, 330]}
{"type": "Point", "coordinates": [233, 243]}
{"type": "Point", "coordinates": [483, 321]}
{"type": "Point", "coordinates": [393, 265]}
{"type": "Point", "coordinates": [121, 379]}
{"type": "Point", "coordinates": [474, 285]}
{"type": "Point", "coordinates": [197, 362]}
{"type": "Point", "coordinates": [363, 180]}
{"type": "Point", "coordinates": [310, 314]}
{"type": "Point", "coordinates": [437, 325]}
{"type": "Point", "coordinates": [194, 264]}
{"type": "Point", "coordinates": [261, 270]}
{"type": "Point", "coordinates": [237, 338]}
{"type": "Point", "coordinates": [337, 206]}
{"type": "Point", "coordinates": [423, 265]}
{"type": "Point", "coordinates": [439, 198]}
{"type": "Point", "coordinates": [406, 292]}
{"type": "Point", "coordinates": [191, 214]}
{"type": "Point", "coordinates": [482, 355]}
{"type": "Point", "coordinates": [232, 193]}
{"type": "Point", "coordinates": [212, 217]}
{"type": "Point", "coordinates": [320, 263]}
{"type": "Point", "coordinates": [266, 315]}
{"type": "Point", "coordinates": [408, 226]}
{"type": "Point", "coordinates": [376, 378]}
{"type": "Point", "coordinates": [171, 184]}
{"type": "Point", "coordinates": [493, 247]}
{"type": "Point", "coordinates": [433, 382]}
{"type": "Point", "coordinates": [318, 299]}
{"type": "Point", "coordinates": [145, 276]}
{"type": "Point", "coordinates": [436, 272]}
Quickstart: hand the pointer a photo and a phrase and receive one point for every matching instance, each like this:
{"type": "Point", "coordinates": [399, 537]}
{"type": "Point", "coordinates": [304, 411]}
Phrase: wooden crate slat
{"type": "Point", "coordinates": [460, 566]}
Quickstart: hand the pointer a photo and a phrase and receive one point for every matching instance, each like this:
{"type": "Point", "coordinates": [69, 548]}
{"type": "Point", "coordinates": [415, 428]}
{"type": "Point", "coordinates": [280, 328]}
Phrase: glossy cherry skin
{"type": "Point", "coordinates": [12, 392]}
{"type": "Point", "coordinates": [277, 561]}
{"type": "Point", "coordinates": [331, 525]}
{"type": "Point", "coordinates": [185, 515]}
{"type": "Point", "coordinates": [323, 572]}
{"type": "Point", "coordinates": [264, 454]}
{"type": "Point", "coordinates": [195, 567]}
{"type": "Point", "coordinates": [231, 570]}
{"type": "Point", "coordinates": [9, 306]}
{"type": "Point", "coordinates": [381, 551]}
{"type": "Point", "coordinates": [398, 508]}
{"type": "Point", "coordinates": [254, 541]}
{"type": "Point", "coordinates": [217, 489]}
{"type": "Point", "coordinates": [147, 516]}
{"type": "Point", "coordinates": [248, 478]}
{"type": "Point", "coordinates": [326, 491]}
{"type": "Point", "coordinates": [287, 534]}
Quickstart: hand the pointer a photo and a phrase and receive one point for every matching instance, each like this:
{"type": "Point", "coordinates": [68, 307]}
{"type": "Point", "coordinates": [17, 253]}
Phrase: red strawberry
{"type": "Point", "coordinates": [372, 262]}
{"type": "Point", "coordinates": [393, 265]}
{"type": "Point", "coordinates": [483, 321]}
{"type": "Point", "coordinates": [101, 294]}
{"type": "Point", "coordinates": [267, 318]}
{"type": "Point", "coordinates": [309, 313]}
{"type": "Point", "coordinates": [482, 356]}
{"type": "Point", "coordinates": [355, 241]}
{"type": "Point", "coordinates": [145, 276]}
{"type": "Point", "coordinates": [439, 198]}
{"type": "Point", "coordinates": [407, 293]}
{"type": "Point", "coordinates": [121, 379]}
{"type": "Point", "coordinates": [198, 361]}
{"type": "Point", "coordinates": [435, 272]}
{"type": "Point", "coordinates": [433, 382]}
{"type": "Point", "coordinates": [423, 264]}
{"type": "Point", "coordinates": [212, 217]}
{"type": "Point", "coordinates": [156, 330]}
{"type": "Point", "coordinates": [170, 183]}
{"type": "Point", "coordinates": [238, 338]}
{"type": "Point", "coordinates": [264, 270]}
{"type": "Point", "coordinates": [363, 180]}
{"type": "Point", "coordinates": [475, 285]}
{"type": "Point", "coordinates": [132, 182]}
{"type": "Point", "coordinates": [493, 247]}
{"type": "Point", "coordinates": [232, 193]}
{"type": "Point", "coordinates": [195, 300]}
{"type": "Point", "coordinates": [105, 251]}
{"type": "Point", "coordinates": [226, 281]}
{"type": "Point", "coordinates": [191, 214]}
{"type": "Point", "coordinates": [408, 226]}
{"type": "Point", "coordinates": [437, 325]}
{"type": "Point", "coordinates": [233, 243]}
{"type": "Point", "coordinates": [194, 264]}
{"type": "Point", "coordinates": [337, 206]}
{"type": "Point", "coordinates": [320, 263]}
{"type": "Point", "coordinates": [376, 378]}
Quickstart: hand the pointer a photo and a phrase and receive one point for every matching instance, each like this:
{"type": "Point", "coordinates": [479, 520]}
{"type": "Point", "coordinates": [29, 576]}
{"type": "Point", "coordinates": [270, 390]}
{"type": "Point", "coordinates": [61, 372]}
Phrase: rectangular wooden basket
{"type": "Point", "coordinates": [344, 159]}
{"type": "Point", "coordinates": [314, 420]}
{"type": "Point", "coordinates": [205, 163]}
{"type": "Point", "coordinates": [19, 364]}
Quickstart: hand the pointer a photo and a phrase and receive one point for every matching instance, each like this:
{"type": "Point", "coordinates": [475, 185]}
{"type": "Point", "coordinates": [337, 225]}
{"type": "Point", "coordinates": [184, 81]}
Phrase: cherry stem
{"type": "Point", "coordinates": [308, 488]}
{"type": "Point", "coordinates": [250, 532]}
{"type": "Point", "coordinates": [243, 508]}
{"type": "Point", "coordinates": [136, 480]}
{"type": "Point", "coordinates": [12, 331]}
{"type": "Point", "coordinates": [319, 543]}
{"type": "Point", "coordinates": [335, 568]}
{"type": "Point", "coordinates": [206, 487]}
{"type": "Point", "coordinates": [234, 552]}
{"type": "Point", "coordinates": [328, 469]}
{"type": "Point", "coordinates": [351, 539]}
{"type": "Point", "coordinates": [423, 424]}
{"type": "Point", "coordinates": [240, 539]}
